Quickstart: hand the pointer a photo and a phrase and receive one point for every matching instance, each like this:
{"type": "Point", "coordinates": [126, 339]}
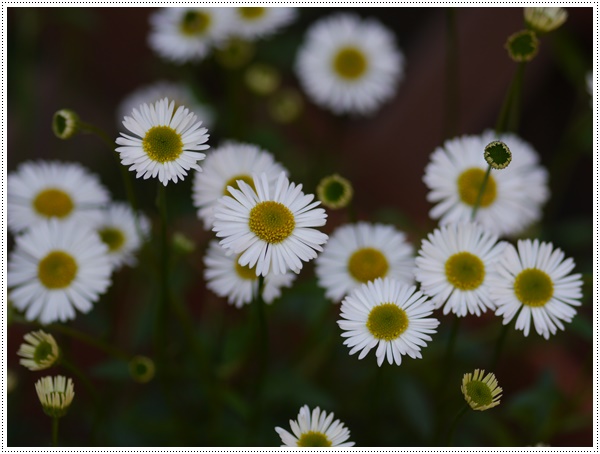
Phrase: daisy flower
{"type": "Point", "coordinates": [119, 232]}
{"type": "Point", "coordinates": [358, 253]}
{"type": "Point", "coordinates": [42, 190]}
{"type": "Point", "coordinates": [271, 226]}
{"type": "Point", "coordinates": [167, 143]}
{"type": "Point", "coordinates": [224, 167]}
{"type": "Point", "coordinates": [481, 393]}
{"type": "Point", "coordinates": [455, 265]}
{"type": "Point", "coordinates": [252, 22]}
{"type": "Point", "coordinates": [315, 429]}
{"type": "Point", "coordinates": [388, 315]}
{"type": "Point", "coordinates": [349, 65]}
{"type": "Point", "coordinates": [39, 351]}
{"type": "Point", "coordinates": [513, 197]}
{"type": "Point", "coordinates": [239, 284]}
{"type": "Point", "coordinates": [179, 93]}
{"type": "Point", "coordinates": [533, 281]}
{"type": "Point", "coordinates": [187, 34]}
{"type": "Point", "coordinates": [57, 268]}
{"type": "Point", "coordinates": [55, 394]}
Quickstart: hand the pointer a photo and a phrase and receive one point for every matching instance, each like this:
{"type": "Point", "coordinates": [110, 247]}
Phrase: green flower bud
{"type": "Point", "coordinates": [497, 154]}
{"type": "Point", "coordinates": [335, 192]}
{"type": "Point", "coordinates": [522, 46]}
{"type": "Point", "coordinates": [65, 124]}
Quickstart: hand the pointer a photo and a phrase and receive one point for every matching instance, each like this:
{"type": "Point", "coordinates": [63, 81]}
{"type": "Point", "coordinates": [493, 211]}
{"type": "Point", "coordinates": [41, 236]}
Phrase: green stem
{"type": "Point", "coordinates": [92, 341]}
{"type": "Point", "coordinates": [163, 303]}
{"type": "Point", "coordinates": [509, 114]}
{"type": "Point", "coordinates": [451, 120]}
{"type": "Point", "coordinates": [83, 378]}
{"type": "Point", "coordinates": [499, 345]}
{"type": "Point", "coordinates": [480, 193]}
{"type": "Point", "coordinates": [55, 431]}
{"type": "Point", "coordinates": [457, 418]}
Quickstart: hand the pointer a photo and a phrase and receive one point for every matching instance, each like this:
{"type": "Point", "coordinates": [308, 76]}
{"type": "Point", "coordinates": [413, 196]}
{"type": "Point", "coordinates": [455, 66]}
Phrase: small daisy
{"type": "Point", "coordinates": [533, 281]}
{"type": "Point", "coordinates": [455, 265]}
{"type": "Point", "coordinates": [119, 232]}
{"type": "Point", "coordinates": [481, 393]}
{"type": "Point", "coordinates": [167, 144]}
{"type": "Point", "coordinates": [513, 197]}
{"type": "Point", "coordinates": [239, 284]}
{"type": "Point", "coordinates": [42, 190]}
{"type": "Point", "coordinates": [388, 315]}
{"type": "Point", "coordinates": [349, 65]}
{"type": "Point", "coordinates": [179, 93]}
{"type": "Point", "coordinates": [252, 22]}
{"type": "Point", "coordinates": [55, 394]}
{"type": "Point", "coordinates": [39, 351]}
{"type": "Point", "coordinates": [544, 19]}
{"type": "Point", "coordinates": [224, 167]}
{"type": "Point", "coordinates": [315, 430]}
{"type": "Point", "coordinates": [187, 34]}
{"type": "Point", "coordinates": [358, 253]}
{"type": "Point", "coordinates": [272, 228]}
{"type": "Point", "coordinates": [57, 268]}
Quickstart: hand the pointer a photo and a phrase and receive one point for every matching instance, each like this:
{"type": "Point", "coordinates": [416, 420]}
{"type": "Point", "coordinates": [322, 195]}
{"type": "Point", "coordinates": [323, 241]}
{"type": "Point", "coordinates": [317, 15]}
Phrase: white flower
{"type": "Point", "coordinates": [118, 230]}
{"type": "Point", "coordinates": [513, 196]}
{"type": "Point", "coordinates": [315, 430]}
{"type": "Point", "coordinates": [239, 284]}
{"type": "Point", "coordinates": [187, 34]}
{"type": "Point", "coordinates": [273, 227]}
{"type": "Point", "coordinates": [533, 281]}
{"type": "Point", "coordinates": [455, 265]}
{"type": "Point", "coordinates": [223, 167]}
{"type": "Point", "coordinates": [56, 268]}
{"type": "Point", "coordinates": [55, 394]}
{"type": "Point", "coordinates": [358, 253]}
{"type": "Point", "coordinates": [167, 144]}
{"type": "Point", "coordinates": [349, 65]}
{"type": "Point", "coordinates": [251, 22]}
{"type": "Point", "coordinates": [545, 19]}
{"type": "Point", "coordinates": [179, 93]}
{"type": "Point", "coordinates": [42, 190]}
{"type": "Point", "coordinates": [481, 393]}
{"type": "Point", "coordinates": [39, 351]}
{"type": "Point", "coordinates": [388, 315]}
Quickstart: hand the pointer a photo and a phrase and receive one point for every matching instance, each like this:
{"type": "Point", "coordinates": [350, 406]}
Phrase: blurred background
{"type": "Point", "coordinates": [89, 59]}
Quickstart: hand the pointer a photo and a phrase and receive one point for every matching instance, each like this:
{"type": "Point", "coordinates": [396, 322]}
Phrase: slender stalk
{"type": "Point", "coordinates": [55, 431]}
{"type": "Point", "coordinates": [451, 114]}
{"type": "Point", "coordinates": [457, 418]}
{"type": "Point", "coordinates": [163, 303]}
{"type": "Point", "coordinates": [509, 114]}
{"type": "Point", "coordinates": [92, 341]}
{"type": "Point", "coordinates": [91, 389]}
{"type": "Point", "coordinates": [499, 345]}
{"type": "Point", "coordinates": [480, 193]}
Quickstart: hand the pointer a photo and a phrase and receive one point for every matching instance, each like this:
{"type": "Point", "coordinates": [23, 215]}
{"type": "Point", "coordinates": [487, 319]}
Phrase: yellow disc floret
{"type": "Point", "coordinates": [313, 439]}
{"type": "Point", "coordinates": [57, 270]}
{"type": "Point", "coordinates": [387, 321]}
{"type": "Point", "coordinates": [469, 184]}
{"type": "Point", "coordinates": [271, 221]}
{"type": "Point", "coordinates": [195, 23]}
{"type": "Point", "coordinates": [53, 202]}
{"type": "Point", "coordinates": [533, 287]}
{"type": "Point", "coordinates": [162, 144]}
{"type": "Point", "coordinates": [465, 271]}
{"type": "Point", "coordinates": [367, 264]}
{"type": "Point", "coordinates": [112, 237]}
{"type": "Point", "coordinates": [350, 63]}
{"type": "Point", "coordinates": [233, 183]}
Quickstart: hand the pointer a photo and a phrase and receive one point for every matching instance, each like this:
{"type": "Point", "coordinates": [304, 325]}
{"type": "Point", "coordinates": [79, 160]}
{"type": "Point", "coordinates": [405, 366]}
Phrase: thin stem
{"type": "Point", "coordinates": [55, 431]}
{"type": "Point", "coordinates": [457, 418]}
{"type": "Point", "coordinates": [92, 341]}
{"type": "Point", "coordinates": [163, 303]}
{"type": "Point", "coordinates": [451, 120]}
{"type": "Point", "coordinates": [499, 346]}
{"type": "Point", "coordinates": [509, 114]}
{"type": "Point", "coordinates": [480, 193]}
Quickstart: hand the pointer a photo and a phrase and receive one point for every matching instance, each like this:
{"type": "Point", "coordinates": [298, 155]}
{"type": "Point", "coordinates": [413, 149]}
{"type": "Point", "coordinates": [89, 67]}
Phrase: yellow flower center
{"type": "Point", "coordinates": [112, 237]}
{"type": "Point", "coordinates": [57, 270]}
{"type": "Point", "coordinates": [252, 12]}
{"type": "Point", "coordinates": [350, 63]}
{"type": "Point", "coordinates": [195, 23]}
{"type": "Point", "coordinates": [367, 264]}
{"type": "Point", "coordinates": [533, 287]}
{"type": "Point", "coordinates": [465, 271]}
{"type": "Point", "coordinates": [479, 392]}
{"type": "Point", "coordinates": [271, 221]}
{"type": "Point", "coordinates": [387, 321]}
{"type": "Point", "coordinates": [245, 272]}
{"type": "Point", "coordinates": [313, 439]}
{"type": "Point", "coordinates": [233, 183]}
{"type": "Point", "coordinates": [469, 184]}
{"type": "Point", "coordinates": [53, 203]}
{"type": "Point", "coordinates": [162, 144]}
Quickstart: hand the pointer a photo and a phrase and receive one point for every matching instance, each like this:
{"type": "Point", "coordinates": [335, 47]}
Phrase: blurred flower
{"type": "Point", "coordinates": [239, 284]}
{"type": "Point", "coordinates": [349, 65]}
{"type": "Point", "coordinates": [39, 351]}
{"type": "Point", "coordinates": [533, 281]}
{"type": "Point", "coordinates": [65, 124]}
{"type": "Point", "coordinates": [273, 227]}
{"type": "Point", "coordinates": [522, 46]}
{"type": "Point", "coordinates": [315, 430]}
{"type": "Point", "coordinates": [55, 394]}
{"type": "Point", "coordinates": [11, 380]}
{"type": "Point", "coordinates": [335, 191]}
{"type": "Point", "coordinates": [390, 315]}
{"type": "Point", "coordinates": [497, 155]}
{"type": "Point", "coordinates": [223, 167]}
{"type": "Point", "coordinates": [286, 105]}
{"type": "Point", "coordinates": [179, 93]}
{"type": "Point", "coordinates": [358, 253]}
{"type": "Point", "coordinates": [262, 79]}
{"type": "Point", "coordinates": [544, 19]}
{"type": "Point", "coordinates": [56, 268]}
{"type": "Point", "coordinates": [118, 230]}
{"type": "Point", "coordinates": [252, 22]}
{"type": "Point", "coordinates": [234, 53]}
{"type": "Point", "coordinates": [167, 144]}
{"type": "Point", "coordinates": [42, 190]}
{"type": "Point", "coordinates": [512, 198]}
{"type": "Point", "coordinates": [141, 369]}
{"type": "Point", "coordinates": [454, 267]}
{"type": "Point", "coordinates": [481, 393]}
{"type": "Point", "coordinates": [187, 34]}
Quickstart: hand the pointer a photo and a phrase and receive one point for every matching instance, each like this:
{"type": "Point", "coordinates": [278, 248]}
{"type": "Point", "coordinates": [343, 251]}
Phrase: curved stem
{"type": "Point", "coordinates": [509, 114]}
{"type": "Point", "coordinates": [480, 193]}
{"type": "Point", "coordinates": [499, 345]}
{"type": "Point", "coordinates": [92, 341]}
{"type": "Point", "coordinates": [83, 378]}
{"type": "Point", "coordinates": [163, 303]}
{"type": "Point", "coordinates": [55, 431]}
{"type": "Point", "coordinates": [454, 423]}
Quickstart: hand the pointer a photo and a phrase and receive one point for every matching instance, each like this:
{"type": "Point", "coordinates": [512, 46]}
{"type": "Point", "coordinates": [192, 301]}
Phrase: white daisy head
{"type": "Point", "coordinates": [239, 284]}
{"type": "Point", "coordinates": [167, 144]}
{"type": "Point", "coordinates": [252, 22]}
{"type": "Point", "coordinates": [455, 265]}
{"type": "Point", "coordinates": [273, 227]}
{"type": "Point", "coordinates": [513, 197]}
{"type": "Point", "coordinates": [534, 281]}
{"type": "Point", "coordinates": [315, 429]}
{"type": "Point", "coordinates": [118, 230]}
{"type": "Point", "coordinates": [39, 351]}
{"type": "Point", "coordinates": [179, 93]}
{"type": "Point", "coordinates": [224, 167]}
{"type": "Point", "coordinates": [42, 190]}
{"type": "Point", "coordinates": [481, 392]}
{"type": "Point", "coordinates": [358, 253]}
{"type": "Point", "coordinates": [388, 315]}
{"type": "Point", "coordinates": [185, 35]}
{"type": "Point", "coordinates": [349, 65]}
{"type": "Point", "coordinates": [55, 394]}
{"type": "Point", "coordinates": [56, 268]}
{"type": "Point", "coordinates": [544, 19]}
